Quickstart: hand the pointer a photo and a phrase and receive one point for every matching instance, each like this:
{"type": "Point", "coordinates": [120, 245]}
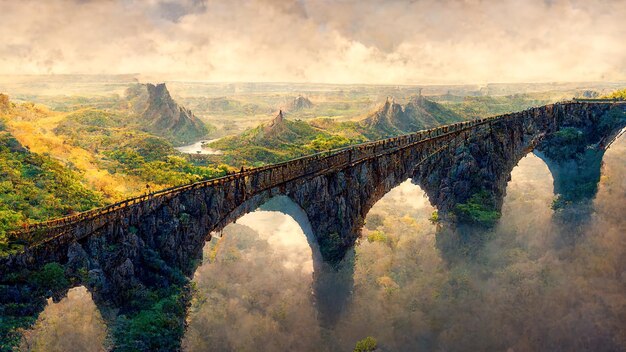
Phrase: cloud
{"type": "Point", "coordinates": [367, 41]}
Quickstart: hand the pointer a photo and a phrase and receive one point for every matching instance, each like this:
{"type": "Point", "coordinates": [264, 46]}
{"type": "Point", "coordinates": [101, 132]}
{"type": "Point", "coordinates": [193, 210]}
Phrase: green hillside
{"type": "Point", "coordinates": [36, 187]}
{"type": "Point", "coordinates": [123, 148]}
{"type": "Point", "coordinates": [283, 139]}
{"type": "Point", "coordinates": [482, 106]}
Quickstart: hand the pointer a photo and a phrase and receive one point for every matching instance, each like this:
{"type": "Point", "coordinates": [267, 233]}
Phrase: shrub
{"type": "Point", "coordinates": [368, 344]}
{"type": "Point", "coordinates": [377, 236]}
{"type": "Point", "coordinates": [478, 210]}
{"type": "Point", "coordinates": [50, 277]}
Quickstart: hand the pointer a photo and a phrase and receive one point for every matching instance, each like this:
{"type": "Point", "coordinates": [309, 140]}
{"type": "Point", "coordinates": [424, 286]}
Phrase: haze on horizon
{"type": "Point", "coordinates": [364, 41]}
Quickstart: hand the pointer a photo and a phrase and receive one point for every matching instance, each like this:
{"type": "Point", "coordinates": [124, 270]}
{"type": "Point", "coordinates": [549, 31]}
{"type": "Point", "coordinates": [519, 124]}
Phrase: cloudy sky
{"type": "Point", "coordinates": [341, 41]}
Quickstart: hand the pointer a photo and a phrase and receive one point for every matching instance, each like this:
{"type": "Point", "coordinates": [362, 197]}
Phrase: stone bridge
{"type": "Point", "coordinates": [137, 254]}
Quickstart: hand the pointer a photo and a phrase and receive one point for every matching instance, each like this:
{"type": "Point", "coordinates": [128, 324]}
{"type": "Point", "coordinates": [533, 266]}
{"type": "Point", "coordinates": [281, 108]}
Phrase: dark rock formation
{"type": "Point", "coordinates": [149, 247]}
{"type": "Point", "coordinates": [159, 114]}
{"type": "Point", "coordinates": [300, 103]}
{"type": "Point", "coordinates": [276, 127]}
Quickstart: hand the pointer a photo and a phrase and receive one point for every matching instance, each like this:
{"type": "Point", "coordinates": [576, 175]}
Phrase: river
{"type": "Point", "coordinates": [196, 148]}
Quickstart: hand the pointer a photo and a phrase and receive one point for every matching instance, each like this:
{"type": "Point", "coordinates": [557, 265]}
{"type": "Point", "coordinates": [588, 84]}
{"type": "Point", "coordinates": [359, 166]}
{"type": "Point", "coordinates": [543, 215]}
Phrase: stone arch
{"type": "Point", "coordinates": [285, 205]}
{"type": "Point", "coordinates": [576, 163]}
{"type": "Point", "coordinates": [277, 201]}
{"type": "Point", "coordinates": [331, 285]}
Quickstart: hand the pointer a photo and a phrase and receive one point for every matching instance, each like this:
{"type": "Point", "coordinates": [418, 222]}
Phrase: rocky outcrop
{"type": "Point", "coordinates": [276, 127]}
{"type": "Point", "coordinates": [300, 103]}
{"type": "Point", "coordinates": [159, 114]}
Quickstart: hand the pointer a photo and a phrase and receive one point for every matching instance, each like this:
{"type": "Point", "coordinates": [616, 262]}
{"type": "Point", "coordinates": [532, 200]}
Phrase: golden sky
{"type": "Point", "coordinates": [342, 41]}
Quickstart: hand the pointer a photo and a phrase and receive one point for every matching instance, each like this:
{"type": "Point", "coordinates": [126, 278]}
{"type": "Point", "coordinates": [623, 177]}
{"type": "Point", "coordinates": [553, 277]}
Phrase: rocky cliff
{"type": "Point", "coordinates": [161, 115]}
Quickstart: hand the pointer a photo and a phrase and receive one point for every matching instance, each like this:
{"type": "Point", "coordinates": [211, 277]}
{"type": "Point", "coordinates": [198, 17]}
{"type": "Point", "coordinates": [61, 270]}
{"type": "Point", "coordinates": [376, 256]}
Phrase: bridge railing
{"type": "Point", "coordinates": [304, 165]}
{"type": "Point", "coordinates": [597, 100]}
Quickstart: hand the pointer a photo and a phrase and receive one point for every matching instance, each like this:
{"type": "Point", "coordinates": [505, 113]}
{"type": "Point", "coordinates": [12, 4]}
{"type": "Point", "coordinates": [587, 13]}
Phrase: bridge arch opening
{"type": "Point", "coordinates": [527, 204]}
{"type": "Point", "coordinates": [72, 324]}
{"type": "Point", "coordinates": [613, 166]}
{"type": "Point", "coordinates": [258, 275]}
{"type": "Point", "coordinates": [395, 255]}
{"type": "Point", "coordinates": [415, 202]}
{"type": "Point", "coordinates": [401, 215]}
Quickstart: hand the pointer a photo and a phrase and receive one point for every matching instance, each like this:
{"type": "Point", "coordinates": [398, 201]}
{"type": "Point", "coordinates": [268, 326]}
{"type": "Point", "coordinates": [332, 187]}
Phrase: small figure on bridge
{"type": "Point", "coordinates": [242, 169]}
{"type": "Point", "coordinates": [147, 188]}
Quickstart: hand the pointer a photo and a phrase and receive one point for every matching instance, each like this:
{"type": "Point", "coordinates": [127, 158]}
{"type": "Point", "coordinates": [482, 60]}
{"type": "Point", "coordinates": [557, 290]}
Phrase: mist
{"type": "Point", "coordinates": [525, 291]}
{"type": "Point", "coordinates": [73, 324]}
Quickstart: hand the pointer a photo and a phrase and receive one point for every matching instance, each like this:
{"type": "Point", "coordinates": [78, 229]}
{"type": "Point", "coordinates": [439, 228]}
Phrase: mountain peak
{"type": "Point", "coordinates": [162, 116]}
{"type": "Point", "coordinates": [418, 113]}
{"type": "Point", "coordinates": [277, 125]}
{"type": "Point", "coordinates": [278, 119]}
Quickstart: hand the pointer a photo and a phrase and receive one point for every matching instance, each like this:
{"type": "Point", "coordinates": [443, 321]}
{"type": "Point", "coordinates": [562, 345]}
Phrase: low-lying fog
{"type": "Point", "coordinates": [525, 291]}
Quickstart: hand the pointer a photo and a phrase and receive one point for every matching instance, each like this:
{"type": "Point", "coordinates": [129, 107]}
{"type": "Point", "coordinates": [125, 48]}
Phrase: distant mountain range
{"type": "Point", "coordinates": [418, 114]}
{"type": "Point", "coordinates": [160, 115]}
{"type": "Point", "coordinates": [282, 138]}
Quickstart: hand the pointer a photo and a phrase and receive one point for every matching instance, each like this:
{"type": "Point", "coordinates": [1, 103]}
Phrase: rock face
{"type": "Point", "coordinates": [280, 130]}
{"type": "Point", "coordinates": [156, 243]}
{"type": "Point", "coordinates": [419, 113]}
{"type": "Point", "coordinates": [300, 103]}
{"type": "Point", "coordinates": [276, 127]}
{"type": "Point", "coordinates": [159, 114]}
